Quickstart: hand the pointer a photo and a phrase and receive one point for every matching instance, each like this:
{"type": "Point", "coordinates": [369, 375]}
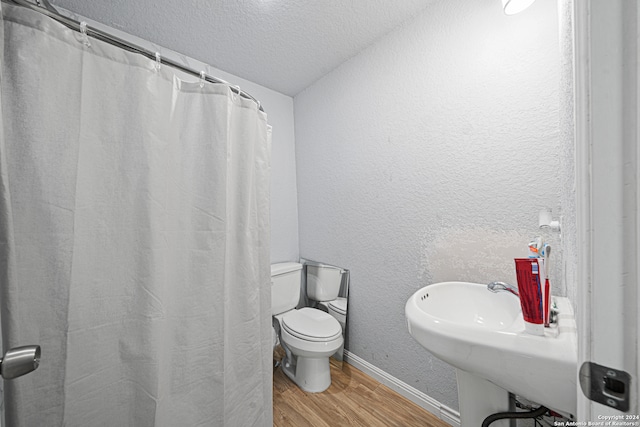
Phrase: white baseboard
{"type": "Point", "coordinates": [426, 402]}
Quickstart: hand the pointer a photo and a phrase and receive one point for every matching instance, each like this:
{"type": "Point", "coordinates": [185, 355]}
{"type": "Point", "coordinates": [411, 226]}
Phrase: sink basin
{"type": "Point", "coordinates": [482, 333]}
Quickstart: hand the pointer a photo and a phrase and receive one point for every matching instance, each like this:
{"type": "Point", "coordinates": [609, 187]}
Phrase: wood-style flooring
{"type": "Point", "coordinates": [353, 399]}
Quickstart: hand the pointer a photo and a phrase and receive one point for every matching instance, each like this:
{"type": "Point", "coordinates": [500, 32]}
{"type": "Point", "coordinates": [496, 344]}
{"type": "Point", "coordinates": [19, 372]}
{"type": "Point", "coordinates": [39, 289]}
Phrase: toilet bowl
{"type": "Point", "coordinates": [311, 336]}
{"type": "Point", "coordinates": [323, 286]}
{"type": "Point", "coordinates": [308, 336]}
{"type": "Point", "coordinates": [338, 309]}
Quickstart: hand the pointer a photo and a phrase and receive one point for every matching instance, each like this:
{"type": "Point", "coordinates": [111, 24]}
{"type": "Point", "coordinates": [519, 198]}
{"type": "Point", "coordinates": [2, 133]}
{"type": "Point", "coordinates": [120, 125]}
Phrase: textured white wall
{"type": "Point", "coordinates": [427, 158]}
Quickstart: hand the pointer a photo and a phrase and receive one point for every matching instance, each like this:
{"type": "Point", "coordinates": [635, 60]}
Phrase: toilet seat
{"type": "Point", "coordinates": [339, 305]}
{"type": "Point", "coordinates": [313, 325]}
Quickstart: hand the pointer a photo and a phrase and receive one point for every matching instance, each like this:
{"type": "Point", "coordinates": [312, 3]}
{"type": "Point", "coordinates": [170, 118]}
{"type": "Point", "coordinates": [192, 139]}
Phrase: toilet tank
{"type": "Point", "coordinates": [323, 282]}
{"type": "Point", "coordinates": [285, 286]}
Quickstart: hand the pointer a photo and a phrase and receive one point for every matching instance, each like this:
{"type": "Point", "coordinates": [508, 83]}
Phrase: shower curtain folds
{"type": "Point", "coordinates": [134, 237]}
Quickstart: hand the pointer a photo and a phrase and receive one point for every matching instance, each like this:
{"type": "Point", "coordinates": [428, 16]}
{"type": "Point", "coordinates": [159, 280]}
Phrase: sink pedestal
{"type": "Point", "coordinates": [479, 398]}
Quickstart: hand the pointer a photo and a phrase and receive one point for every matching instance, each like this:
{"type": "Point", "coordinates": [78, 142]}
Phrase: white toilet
{"type": "Point", "coordinates": [323, 282]}
{"type": "Point", "coordinates": [308, 336]}
{"type": "Point", "coordinates": [338, 309]}
{"type": "Point", "coordinates": [323, 287]}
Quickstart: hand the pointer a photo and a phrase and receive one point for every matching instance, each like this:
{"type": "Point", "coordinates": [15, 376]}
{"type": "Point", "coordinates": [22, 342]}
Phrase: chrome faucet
{"type": "Point", "coordinates": [501, 286]}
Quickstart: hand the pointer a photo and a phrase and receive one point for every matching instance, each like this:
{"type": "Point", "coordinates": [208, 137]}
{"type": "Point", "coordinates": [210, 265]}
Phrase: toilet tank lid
{"type": "Point", "coordinates": [284, 267]}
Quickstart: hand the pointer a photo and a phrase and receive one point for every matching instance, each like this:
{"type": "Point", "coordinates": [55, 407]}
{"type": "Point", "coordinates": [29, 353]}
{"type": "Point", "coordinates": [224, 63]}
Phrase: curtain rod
{"type": "Point", "coordinates": [97, 34]}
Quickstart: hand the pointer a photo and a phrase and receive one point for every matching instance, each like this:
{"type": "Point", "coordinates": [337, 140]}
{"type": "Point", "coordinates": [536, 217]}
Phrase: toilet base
{"type": "Point", "coordinates": [311, 374]}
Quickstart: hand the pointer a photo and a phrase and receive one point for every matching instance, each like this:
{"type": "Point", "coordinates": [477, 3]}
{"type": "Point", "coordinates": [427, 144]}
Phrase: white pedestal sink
{"type": "Point", "coordinates": [482, 334]}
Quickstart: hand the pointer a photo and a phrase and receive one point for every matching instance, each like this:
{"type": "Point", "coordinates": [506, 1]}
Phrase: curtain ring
{"type": "Point", "coordinates": [158, 61]}
{"type": "Point", "coordinates": [236, 87]}
{"type": "Point", "coordinates": [203, 77]}
{"type": "Point", "coordinates": [85, 36]}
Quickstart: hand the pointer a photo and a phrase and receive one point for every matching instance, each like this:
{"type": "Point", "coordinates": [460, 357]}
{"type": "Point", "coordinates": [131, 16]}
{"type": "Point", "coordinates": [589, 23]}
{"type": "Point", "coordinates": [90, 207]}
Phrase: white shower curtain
{"type": "Point", "coordinates": [134, 238]}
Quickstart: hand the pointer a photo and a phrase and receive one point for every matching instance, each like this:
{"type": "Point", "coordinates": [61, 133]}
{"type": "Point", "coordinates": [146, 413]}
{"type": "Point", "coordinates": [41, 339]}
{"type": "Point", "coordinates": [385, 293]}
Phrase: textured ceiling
{"type": "Point", "coordinates": [285, 45]}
